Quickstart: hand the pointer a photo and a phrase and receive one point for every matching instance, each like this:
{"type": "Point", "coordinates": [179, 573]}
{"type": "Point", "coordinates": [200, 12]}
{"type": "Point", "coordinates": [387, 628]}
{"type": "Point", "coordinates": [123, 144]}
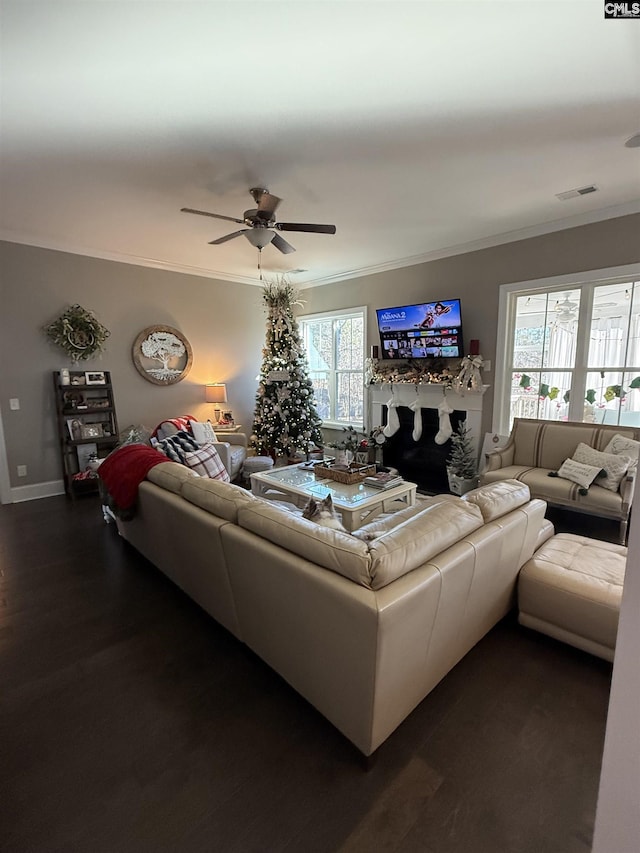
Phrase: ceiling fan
{"type": "Point", "coordinates": [261, 223]}
{"type": "Point", "coordinates": [566, 310]}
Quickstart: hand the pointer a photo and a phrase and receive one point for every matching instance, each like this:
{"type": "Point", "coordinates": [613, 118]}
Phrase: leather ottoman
{"type": "Point", "coordinates": [571, 590]}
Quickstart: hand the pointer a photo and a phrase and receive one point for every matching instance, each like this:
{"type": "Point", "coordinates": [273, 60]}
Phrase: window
{"type": "Point", "coordinates": [334, 344]}
{"type": "Point", "coordinates": [571, 350]}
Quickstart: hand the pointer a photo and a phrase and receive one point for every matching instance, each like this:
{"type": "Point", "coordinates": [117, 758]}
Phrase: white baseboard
{"type": "Point", "coordinates": [18, 494]}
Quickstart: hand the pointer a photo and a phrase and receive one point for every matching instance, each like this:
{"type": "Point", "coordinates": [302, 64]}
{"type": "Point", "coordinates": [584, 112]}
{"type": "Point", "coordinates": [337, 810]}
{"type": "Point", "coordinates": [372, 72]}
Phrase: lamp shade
{"type": "Point", "coordinates": [216, 393]}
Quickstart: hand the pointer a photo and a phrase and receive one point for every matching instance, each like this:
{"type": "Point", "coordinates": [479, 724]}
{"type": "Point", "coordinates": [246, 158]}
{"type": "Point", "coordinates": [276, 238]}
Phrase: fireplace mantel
{"type": "Point", "coordinates": [430, 396]}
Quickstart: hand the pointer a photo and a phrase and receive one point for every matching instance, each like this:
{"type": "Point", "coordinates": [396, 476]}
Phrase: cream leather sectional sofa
{"type": "Point", "coordinates": [362, 629]}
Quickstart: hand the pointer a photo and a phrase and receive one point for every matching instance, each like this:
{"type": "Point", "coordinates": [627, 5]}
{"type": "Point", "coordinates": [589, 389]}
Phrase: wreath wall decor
{"type": "Point", "coordinates": [78, 332]}
{"type": "Point", "coordinates": [162, 355]}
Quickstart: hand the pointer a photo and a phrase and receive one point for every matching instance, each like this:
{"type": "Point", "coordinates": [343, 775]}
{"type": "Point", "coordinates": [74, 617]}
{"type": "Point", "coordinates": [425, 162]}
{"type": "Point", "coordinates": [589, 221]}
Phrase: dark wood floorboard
{"type": "Point", "coordinates": [131, 722]}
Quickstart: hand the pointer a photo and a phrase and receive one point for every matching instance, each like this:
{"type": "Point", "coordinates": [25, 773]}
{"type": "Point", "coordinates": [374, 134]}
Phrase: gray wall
{"type": "Point", "coordinates": [224, 323]}
{"type": "Point", "coordinates": [476, 277]}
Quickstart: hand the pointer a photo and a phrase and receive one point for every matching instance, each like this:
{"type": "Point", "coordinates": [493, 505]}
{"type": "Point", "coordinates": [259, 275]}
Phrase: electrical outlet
{"type": "Point", "coordinates": [22, 470]}
{"type": "Point", "coordinates": [14, 404]}
{"type": "Point", "coordinates": [486, 365]}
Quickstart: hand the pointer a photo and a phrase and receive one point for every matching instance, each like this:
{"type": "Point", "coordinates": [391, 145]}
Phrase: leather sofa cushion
{"type": "Point", "coordinates": [496, 499]}
{"type": "Point", "coordinates": [332, 549]}
{"type": "Point", "coordinates": [422, 537]}
{"type": "Point", "coordinates": [389, 521]}
{"type": "Point", "coordinates": [216, 497]}
{"type": "Point", "coordinates": [171, 476]}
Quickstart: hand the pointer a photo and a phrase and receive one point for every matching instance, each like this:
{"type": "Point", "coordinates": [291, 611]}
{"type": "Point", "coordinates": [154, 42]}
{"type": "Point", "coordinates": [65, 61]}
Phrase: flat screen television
{"type": "Point", "coordinates": [427, 330]}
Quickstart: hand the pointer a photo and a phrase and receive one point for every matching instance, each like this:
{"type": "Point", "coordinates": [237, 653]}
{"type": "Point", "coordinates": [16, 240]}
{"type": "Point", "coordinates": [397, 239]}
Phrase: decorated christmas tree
{"type": "Point", "coordinates": [285, 418]}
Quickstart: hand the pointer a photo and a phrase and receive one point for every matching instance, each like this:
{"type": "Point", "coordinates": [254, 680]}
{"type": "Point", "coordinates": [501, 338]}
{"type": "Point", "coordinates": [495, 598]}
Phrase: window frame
{"type": "Point", "coordinates": [359, 312]}
{"type": "Point", "coordinates": [585, 281]}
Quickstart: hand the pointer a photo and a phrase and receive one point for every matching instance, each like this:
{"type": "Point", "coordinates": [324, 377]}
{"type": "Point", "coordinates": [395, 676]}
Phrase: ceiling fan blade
{"type": "Point", "coordinates": [280, 243]}
{"type": "Point", "coordinates": [305, 226]}
{"type": "Point", "coordinates": [267, 204]}
{"type": "Point", "coordinates": [227, 237]}
{"type": "Point", "coordinates": [214, 215]}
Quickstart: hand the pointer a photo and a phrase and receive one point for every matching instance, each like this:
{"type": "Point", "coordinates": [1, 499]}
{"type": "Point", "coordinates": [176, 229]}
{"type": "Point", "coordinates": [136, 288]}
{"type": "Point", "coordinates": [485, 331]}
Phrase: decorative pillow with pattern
{"type": "Point", "coordinates": [578, 472]}
{"type": "Point", "coordinates": [615, 466]}
{"type": "Point", "coordinates": [203, 432]}
{"type": "Point", "coordinates": [620, 445]}
{"type": "Point", "coordinates": [206, 462]}
{"type": "Point", "coordinates": [176, 446]}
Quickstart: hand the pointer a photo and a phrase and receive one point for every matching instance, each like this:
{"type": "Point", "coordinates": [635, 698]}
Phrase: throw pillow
{"type": "Point", "coordinates": [578, 472]}
{"type": "Point", "coordinates": [206, 462]}
{"type": "Point", "coordinates": [203, 432]}
{"type": "Point", "coordinates": [615, 466]}
{"type": "Point", "coordinates": [176, 446]}
{"type": "Point", "coordinates": [620, 445]}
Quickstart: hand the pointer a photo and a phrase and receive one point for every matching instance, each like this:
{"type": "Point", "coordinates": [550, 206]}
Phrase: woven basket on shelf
{"type": "Point", "coordinates": [355, 473]}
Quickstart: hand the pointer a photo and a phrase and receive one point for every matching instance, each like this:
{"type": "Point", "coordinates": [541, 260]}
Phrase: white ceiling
{"type": "Point", "coordinates": [417, 128]}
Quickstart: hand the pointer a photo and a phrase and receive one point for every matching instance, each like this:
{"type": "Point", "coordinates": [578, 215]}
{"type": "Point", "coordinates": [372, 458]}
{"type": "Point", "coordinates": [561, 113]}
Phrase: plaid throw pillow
{"type": "Point", "coordinates": [206, 462]}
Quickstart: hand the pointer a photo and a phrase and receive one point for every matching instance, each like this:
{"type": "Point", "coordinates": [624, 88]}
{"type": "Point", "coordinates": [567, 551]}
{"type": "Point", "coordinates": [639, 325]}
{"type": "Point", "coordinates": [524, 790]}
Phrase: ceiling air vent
{"type": "Point", "coordinates": [592, 188]}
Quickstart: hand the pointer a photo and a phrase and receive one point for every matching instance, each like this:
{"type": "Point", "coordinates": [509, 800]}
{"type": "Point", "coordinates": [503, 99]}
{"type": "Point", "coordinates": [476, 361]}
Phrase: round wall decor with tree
{"type": "Point", "coordinates": [162, 355]}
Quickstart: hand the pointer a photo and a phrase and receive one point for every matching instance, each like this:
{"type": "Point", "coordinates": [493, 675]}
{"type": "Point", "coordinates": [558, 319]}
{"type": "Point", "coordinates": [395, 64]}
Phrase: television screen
{"type": "Point", "coordinates": [428, 330]}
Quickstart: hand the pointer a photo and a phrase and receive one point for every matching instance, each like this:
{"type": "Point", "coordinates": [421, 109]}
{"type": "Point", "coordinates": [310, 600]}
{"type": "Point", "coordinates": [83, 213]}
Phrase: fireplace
{"type": "Point", "coordinates": [423, 461]}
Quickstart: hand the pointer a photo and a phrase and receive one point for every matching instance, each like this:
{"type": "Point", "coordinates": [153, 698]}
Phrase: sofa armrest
{"type": "Point", "coordinates": [627, 487]}
{"type": "Point", "coordinates": [224, 452]}
{"type": "Point", "coordinates": [500, 458]}
{"type": "Point", "coordinates": [233, 438]}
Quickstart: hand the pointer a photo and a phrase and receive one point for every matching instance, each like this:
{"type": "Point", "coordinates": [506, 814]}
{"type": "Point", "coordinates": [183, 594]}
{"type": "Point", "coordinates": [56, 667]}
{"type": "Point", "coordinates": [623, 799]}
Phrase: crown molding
{"type": "Point", "coordinates": [436, 255]}
{"type": "Point", "coordinates": [121, 258]}
{"type": "Point", "coordinates": [485, 243]}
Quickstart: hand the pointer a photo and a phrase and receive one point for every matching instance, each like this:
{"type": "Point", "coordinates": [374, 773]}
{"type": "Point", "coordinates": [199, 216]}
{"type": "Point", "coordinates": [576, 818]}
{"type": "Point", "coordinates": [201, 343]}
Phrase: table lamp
{"type": "Point", "coordinates": [216, 393]}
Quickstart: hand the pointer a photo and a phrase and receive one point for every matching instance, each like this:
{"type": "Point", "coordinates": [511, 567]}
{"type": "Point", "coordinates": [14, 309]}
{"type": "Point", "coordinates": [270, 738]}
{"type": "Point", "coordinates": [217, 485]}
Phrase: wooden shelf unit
{"type": "Point", "coordinates": [86, 421]}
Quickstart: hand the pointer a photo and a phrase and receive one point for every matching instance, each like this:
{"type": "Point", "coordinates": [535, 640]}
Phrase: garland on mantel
{"type": "Point", "coordinates": [466, 377]}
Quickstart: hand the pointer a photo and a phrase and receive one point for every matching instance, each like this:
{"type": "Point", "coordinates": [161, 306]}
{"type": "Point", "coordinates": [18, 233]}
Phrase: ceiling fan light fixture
{"type": "Point", "coordinates": [259, 237]}
{"type": "Point", "coordinates": [567, 311]}
{"type": "Point", "coordinates": [261, 226]}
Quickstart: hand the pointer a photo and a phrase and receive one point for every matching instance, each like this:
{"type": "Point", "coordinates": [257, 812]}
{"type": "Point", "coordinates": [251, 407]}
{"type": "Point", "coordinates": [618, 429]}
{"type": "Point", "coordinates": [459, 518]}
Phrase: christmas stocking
{"type": "Point", "coordinates": [417, 420]}
{"type": "Point", "coordinates": [445, 431]}
{"type": "Point", "coordinates": [393, 422]}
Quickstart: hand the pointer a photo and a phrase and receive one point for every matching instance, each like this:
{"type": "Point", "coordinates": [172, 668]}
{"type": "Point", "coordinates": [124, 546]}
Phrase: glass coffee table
{"type": "Point", "coordinates": [357, 504]}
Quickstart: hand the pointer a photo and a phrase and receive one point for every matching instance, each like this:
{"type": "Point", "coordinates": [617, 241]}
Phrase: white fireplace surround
{"type": "Point", "coordinates": [430, 396]}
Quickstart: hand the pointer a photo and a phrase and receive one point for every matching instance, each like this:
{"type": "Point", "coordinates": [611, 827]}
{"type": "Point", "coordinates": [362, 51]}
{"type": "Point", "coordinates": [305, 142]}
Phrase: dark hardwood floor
{"type": "Point", "coordinates": [130, 721]}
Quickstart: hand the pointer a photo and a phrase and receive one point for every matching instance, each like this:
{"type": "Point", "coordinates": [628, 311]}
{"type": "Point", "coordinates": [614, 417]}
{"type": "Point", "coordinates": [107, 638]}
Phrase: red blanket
{"type": "Point", "coordinates": [179, 423]}
{"type": "Point", "coordinates": [124, 469]}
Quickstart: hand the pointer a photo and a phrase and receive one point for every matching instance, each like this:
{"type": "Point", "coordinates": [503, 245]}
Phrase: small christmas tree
{"type": "Point", "coordinates": [462, 459]}
{"type": "Point", "coordinates": [285, 418]}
